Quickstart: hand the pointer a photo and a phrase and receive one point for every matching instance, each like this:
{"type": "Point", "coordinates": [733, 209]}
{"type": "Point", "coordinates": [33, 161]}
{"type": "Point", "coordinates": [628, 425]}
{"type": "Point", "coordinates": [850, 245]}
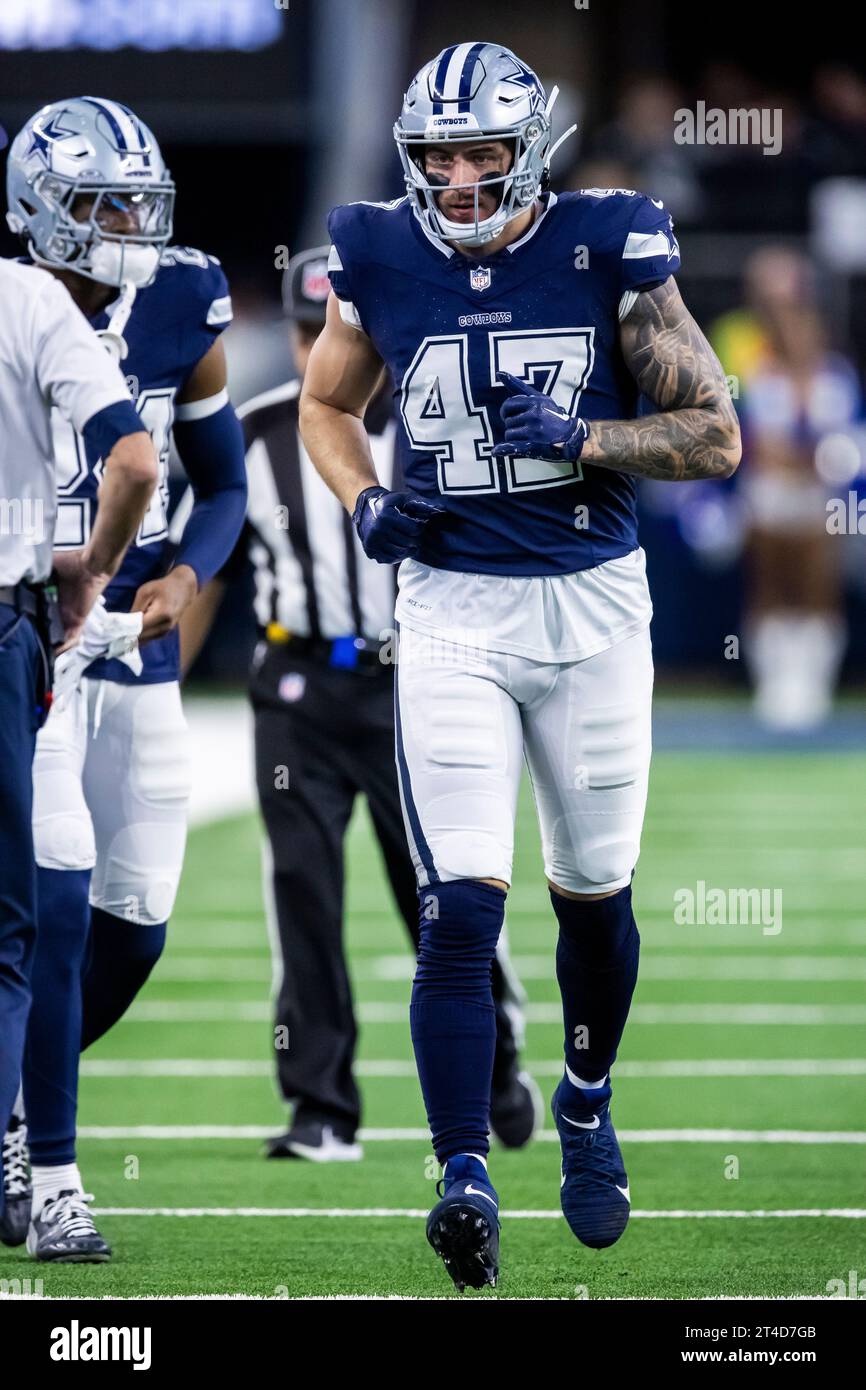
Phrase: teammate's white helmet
{"type": "Point", "coordinates": [97, 148]}
{"type": "Point", "coordinates": [472, 90]}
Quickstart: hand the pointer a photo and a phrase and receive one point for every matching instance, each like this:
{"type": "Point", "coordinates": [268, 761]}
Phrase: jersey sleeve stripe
{"type": "Point", "coordinates": [639, 245]}
{"type": "Point", "coordinates": [199, 410]}
{"type": "Point", "coordinates": [220, 311]}
{"type": "Point", "coordinates": [626, 304]}
{"type": "Point", "coordinates": [349, 314]}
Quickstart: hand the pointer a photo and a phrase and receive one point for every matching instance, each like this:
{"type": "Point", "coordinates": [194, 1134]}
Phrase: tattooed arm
{"type": "Point", "coordinates": [697, 435]}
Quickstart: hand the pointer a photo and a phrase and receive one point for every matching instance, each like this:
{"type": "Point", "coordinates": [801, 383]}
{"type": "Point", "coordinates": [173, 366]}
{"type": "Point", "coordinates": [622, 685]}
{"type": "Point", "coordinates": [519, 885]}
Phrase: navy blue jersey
{"type": "Point", "coordinates": [546, 308]}
{"type": "Point", "coordinates": [173, 323]}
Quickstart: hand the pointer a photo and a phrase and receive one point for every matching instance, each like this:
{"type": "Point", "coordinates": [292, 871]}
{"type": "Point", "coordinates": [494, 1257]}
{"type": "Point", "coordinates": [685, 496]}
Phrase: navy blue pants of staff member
{"type": "Point", "coordinates": [21, 662]}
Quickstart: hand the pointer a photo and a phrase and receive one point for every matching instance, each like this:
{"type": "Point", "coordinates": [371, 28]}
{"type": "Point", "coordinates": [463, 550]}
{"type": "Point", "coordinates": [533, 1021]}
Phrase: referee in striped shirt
{"type": "Point", "coordinates": [322, 690]}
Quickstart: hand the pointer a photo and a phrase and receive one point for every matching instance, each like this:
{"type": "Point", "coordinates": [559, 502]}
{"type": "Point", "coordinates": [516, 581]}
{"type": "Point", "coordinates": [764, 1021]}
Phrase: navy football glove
{"type": "Point", "coordinates": [536, 427]}
{"type": "Point", "coordinates": [390, 524]}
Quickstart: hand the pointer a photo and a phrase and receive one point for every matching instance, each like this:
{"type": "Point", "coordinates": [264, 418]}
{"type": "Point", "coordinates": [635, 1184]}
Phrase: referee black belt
{"type": "Point", "coordinates": [348, 653]}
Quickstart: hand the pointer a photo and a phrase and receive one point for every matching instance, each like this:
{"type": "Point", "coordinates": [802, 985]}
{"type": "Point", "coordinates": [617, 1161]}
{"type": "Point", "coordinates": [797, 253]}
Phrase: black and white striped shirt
{"type": "Point", "coordinates": [311, 574]}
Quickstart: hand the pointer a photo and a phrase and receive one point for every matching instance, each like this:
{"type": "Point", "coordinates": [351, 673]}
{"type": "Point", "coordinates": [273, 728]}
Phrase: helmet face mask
{"type": "Point", "coordinates": [513, 190]}
{"type": "Point", "coordinates": [471, 93]}
{"type": "Point", "coordinates": [88, 189]}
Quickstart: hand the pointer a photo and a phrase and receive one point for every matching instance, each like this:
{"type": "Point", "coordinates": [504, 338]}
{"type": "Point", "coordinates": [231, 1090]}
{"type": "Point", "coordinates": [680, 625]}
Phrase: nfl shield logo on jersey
{"type": "Point", "coordinates": [479, 277]}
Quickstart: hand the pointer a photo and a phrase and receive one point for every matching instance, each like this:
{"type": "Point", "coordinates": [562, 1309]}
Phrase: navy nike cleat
{"type": "Point", "coordinates": [594, 1188]}
{"type": "Point", "coordinates": [17, 1188]}
{"type": "Point", "coordinates": [64, 1232]}
{"type": "Point", "coordinates": [463, 1227]}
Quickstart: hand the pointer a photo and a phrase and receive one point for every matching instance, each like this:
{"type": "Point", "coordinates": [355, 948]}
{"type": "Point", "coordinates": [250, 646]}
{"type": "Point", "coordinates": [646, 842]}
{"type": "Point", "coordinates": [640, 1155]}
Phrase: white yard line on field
{"type": "Point", "coordinates": [387, 1011]}
{"type": "Point", "coordinates": [631, 1136]}
{"type": "Point", "coordinates": [652, 967]}
{"type": "Point", "coordinates": [385, 1067]}
{"type": "Point", "coordinates": [416, 1213]}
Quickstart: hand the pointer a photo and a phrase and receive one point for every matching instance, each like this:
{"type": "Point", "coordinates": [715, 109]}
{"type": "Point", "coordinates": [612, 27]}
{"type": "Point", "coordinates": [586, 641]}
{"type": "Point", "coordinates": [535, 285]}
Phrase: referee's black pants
{"type": "Point", "coordinates": [323, 735]}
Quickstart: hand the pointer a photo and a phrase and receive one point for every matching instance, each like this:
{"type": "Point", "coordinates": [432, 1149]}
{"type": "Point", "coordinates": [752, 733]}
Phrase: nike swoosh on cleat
{"type": "Point", "coordinates": [624, 1191]}
{"type": "Point", "coordinates": [594, 1124]}
{"type": "Point", "coordinates": [476, 1192]}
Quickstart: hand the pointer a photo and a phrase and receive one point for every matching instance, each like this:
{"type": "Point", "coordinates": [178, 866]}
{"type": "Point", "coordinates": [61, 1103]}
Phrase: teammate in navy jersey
{"type": "Point", "coordinates": [520, 329]}
{"type": "Point", "coordinates": [92, 200]}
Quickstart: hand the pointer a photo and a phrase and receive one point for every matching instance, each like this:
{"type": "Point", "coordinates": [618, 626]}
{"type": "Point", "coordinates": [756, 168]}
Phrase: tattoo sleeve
{"type": "Point", "coordinates": [696, 434]}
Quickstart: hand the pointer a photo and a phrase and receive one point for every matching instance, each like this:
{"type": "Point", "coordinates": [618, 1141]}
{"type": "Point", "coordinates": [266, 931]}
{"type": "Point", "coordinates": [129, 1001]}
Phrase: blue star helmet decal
{"type": "Point", "coordinates": [526, 81]}
{"type": "Point", "coordinates": [42, 138]}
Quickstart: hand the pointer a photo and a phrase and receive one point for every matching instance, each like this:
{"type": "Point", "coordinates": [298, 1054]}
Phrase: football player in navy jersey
{"type": "Point", "coordinates": [91, 198]}
{"type": "Point", "coordinates": [520, 328]}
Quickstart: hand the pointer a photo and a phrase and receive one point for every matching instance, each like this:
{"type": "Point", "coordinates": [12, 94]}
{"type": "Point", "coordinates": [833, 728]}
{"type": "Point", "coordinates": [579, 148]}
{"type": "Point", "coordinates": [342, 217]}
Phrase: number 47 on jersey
{"type": "Point", "coordinates": [440, 413]}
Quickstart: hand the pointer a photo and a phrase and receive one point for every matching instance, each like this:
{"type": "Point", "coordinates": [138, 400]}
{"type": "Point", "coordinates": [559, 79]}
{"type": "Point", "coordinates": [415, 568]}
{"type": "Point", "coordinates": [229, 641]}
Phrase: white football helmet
{"type": "Point", "coordinates": [469, 91]}
{"type": "Point", "coordinates": [90, 148]}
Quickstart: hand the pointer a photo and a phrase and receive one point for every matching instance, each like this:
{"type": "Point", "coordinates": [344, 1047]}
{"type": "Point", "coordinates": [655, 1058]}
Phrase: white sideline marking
{"type": "Point", "coordinates": [373, 1136]}
{"type": "Point", "coordinates": [402, 1298]}
{"type": "Point", "coordinates": [416, 1213]}
{"type": "Point", "coordinates": [387, 1067]}
{"type": "Point", "coordinates": [260, 1011]}
{"type": "Point", "coordinates": [224, 785]}
{"type": "Point", "coordinates": [214, 969]}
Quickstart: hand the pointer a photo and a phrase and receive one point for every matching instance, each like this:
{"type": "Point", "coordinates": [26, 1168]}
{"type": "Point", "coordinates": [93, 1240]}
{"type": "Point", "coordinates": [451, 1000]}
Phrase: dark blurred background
{"type": "Point", "coordinates": [269, 114]}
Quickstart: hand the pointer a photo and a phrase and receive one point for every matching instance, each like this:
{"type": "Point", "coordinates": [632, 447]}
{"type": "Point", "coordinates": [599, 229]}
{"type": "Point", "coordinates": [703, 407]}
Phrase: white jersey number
{"type": "Point", "coordinates": [156, 408]}
{"type": "Point", "coordinates": [440, 414]}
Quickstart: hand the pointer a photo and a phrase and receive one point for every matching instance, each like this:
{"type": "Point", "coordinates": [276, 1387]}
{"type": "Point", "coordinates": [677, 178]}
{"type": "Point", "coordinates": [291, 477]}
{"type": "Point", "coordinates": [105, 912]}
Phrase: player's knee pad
{"type": "Point", "coordinates": [460, 923]}
{"type": "Point", "coordinates": [63, 839]}
{"type": "Point", "coordinates": [462, 853]}
{"type": "Point", "coordinates": [598, 862]}
{"type": "Point", "coordinates": [138, 878]}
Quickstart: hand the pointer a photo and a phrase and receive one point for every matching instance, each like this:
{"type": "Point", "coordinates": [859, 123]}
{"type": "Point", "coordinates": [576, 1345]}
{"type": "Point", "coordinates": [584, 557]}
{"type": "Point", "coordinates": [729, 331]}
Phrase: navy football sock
{"type": "Point", "coordinates": [452, 1017]}
{"type": "Point", "coordinates": [50, 1069]}
{"type": "Point", "coordinates": [467, 1168]}
{"type": "Point", "coordinates": [596, 966]}
{"type": "Point", "coordinates": [122, 955]}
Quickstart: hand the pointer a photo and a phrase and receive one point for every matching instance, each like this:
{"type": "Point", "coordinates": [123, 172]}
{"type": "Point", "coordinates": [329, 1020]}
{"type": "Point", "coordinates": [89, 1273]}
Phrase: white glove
{"type": "Point", "coordinates": [104, 634]}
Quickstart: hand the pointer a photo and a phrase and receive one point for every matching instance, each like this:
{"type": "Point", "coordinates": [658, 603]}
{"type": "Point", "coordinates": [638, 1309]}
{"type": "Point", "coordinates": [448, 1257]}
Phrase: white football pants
{"type": "Point", "coordinates": [467, 719]}
{"type": "Point", "coordinates": [111, 785]}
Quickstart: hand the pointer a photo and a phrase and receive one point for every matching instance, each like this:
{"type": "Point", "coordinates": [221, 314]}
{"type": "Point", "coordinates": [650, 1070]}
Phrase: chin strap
{"type": "Point", "coordinates": [112, 337]}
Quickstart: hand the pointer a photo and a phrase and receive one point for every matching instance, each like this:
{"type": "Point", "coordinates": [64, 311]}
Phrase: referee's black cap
{"type": "Point", "coordinates": [306, 286]}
